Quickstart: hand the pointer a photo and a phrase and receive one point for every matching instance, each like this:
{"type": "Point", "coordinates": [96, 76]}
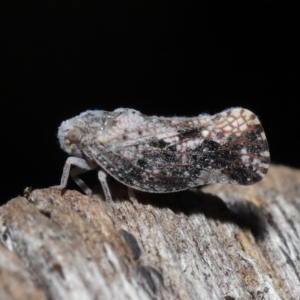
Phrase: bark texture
{"type": "Point", "coordinates": [219, 242]}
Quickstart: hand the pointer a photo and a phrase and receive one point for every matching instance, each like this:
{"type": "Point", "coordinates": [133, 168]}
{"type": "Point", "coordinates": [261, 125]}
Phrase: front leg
{"type": "Point", "coordinates": [82, 167]}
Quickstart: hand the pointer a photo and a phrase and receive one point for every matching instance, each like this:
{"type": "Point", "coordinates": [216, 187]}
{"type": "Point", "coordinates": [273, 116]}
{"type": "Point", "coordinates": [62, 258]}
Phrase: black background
{"type": "Point", "coordinates": [60, 58]}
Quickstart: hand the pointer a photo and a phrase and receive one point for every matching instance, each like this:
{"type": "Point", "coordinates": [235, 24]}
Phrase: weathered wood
{"type": "Point", "coordinates": [221, 242]}
{"type": "Point", "coordinates": [15, 280]}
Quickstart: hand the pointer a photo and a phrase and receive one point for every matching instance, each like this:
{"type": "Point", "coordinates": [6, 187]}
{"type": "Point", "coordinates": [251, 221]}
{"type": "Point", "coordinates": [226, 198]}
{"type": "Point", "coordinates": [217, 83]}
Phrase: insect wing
{"type": "Point", "coordinates": [171, 154]}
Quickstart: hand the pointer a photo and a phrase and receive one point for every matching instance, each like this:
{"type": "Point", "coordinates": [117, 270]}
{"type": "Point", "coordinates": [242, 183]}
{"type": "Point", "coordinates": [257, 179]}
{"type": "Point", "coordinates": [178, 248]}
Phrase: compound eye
{"type": "Point", "coordinates": [73, 136]}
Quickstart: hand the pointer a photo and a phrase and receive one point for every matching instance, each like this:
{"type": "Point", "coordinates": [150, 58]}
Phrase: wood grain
{"type": "Point", "coordinates": [218, 242]}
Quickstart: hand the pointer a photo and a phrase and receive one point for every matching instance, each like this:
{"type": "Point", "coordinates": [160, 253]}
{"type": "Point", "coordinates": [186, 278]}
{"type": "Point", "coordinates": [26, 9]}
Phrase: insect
{"type": "Point", "coordinates": [162, 155]}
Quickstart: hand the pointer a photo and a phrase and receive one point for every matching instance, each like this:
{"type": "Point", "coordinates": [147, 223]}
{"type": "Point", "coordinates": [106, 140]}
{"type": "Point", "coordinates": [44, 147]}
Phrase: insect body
{"type": "Point", "coordinates": [161, 155]}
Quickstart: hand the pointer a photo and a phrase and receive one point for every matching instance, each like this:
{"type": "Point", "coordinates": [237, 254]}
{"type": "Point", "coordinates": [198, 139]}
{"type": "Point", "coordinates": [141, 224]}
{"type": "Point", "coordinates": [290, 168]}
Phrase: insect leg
{"type": "Point", "coordinates": [74, 174]}
{"type": "Point", "coordinates": [82, 165]}
{"type": "Point", "coordinates": [107, 194]}
{"type": "Point", "coordinates": [133, 199]}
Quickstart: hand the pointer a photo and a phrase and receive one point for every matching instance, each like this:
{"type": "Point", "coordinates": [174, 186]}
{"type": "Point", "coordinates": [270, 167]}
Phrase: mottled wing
{"type": "Point", "coordinates": [156, 154]}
